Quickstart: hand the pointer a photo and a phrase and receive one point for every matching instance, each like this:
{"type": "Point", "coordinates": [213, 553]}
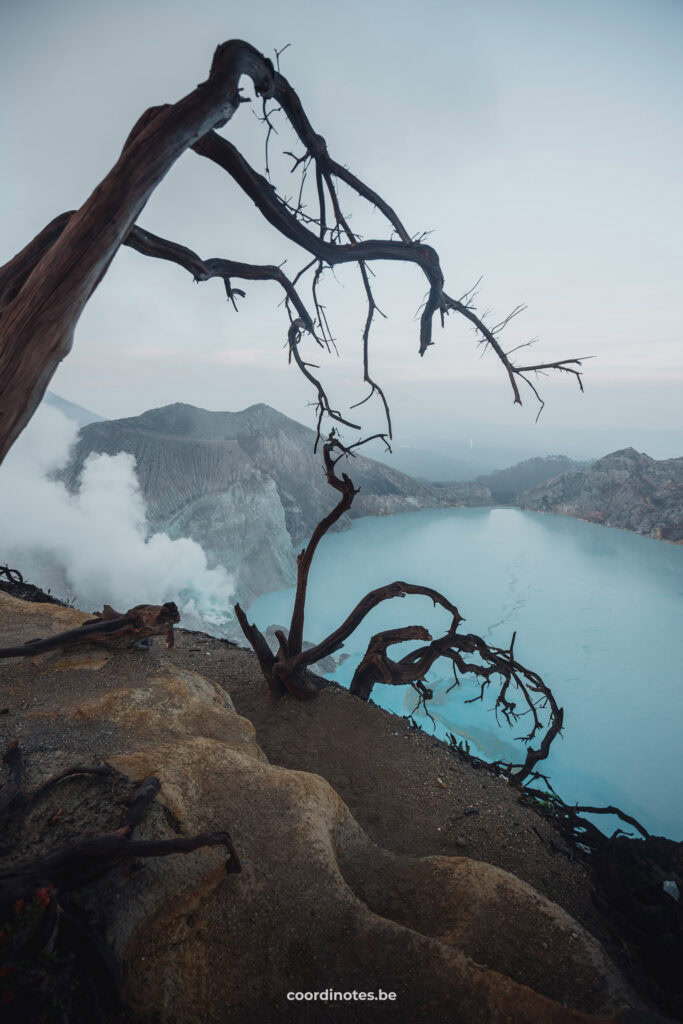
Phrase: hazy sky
{"type": "Point", "coordinates": [541, 140]}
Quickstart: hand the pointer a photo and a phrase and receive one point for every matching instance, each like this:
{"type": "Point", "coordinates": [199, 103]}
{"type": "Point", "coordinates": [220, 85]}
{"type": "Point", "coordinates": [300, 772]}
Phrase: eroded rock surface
{"type": "Point", "coordinates": [317, 906]}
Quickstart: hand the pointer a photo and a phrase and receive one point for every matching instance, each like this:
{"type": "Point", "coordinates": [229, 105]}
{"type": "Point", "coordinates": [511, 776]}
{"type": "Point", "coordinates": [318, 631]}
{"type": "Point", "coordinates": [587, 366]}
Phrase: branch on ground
{"type": "Point", "coordinates": [109, 629]}
{"type": "Point", "coordinates": [51, 952]}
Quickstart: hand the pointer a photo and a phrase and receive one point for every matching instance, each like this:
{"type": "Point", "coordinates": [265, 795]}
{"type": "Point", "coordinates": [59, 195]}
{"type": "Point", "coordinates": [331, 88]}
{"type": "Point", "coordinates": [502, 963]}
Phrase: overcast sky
{"type": "Point", "coordinates": [540, 140]}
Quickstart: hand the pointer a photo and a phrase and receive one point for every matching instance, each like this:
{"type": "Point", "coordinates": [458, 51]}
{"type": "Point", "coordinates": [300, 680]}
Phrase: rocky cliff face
{"type": "Point", "coordinates": [625, 489]}
{"type": "Point", "coordinates": [247, 485]}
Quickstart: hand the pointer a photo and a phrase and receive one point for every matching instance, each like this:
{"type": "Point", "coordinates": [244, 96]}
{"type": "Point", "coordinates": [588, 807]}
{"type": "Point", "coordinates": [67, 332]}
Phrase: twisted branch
{"type": "Point", "coordinates": [44, 288]}
{"type": "Point", "coordinates": [288, 671]}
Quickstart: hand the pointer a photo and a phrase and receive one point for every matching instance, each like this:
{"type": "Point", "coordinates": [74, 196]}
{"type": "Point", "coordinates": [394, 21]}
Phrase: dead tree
{"type": "Point", "coordinates": [45, 287]}
{"type": "Point", "coordinates": [289, 671]}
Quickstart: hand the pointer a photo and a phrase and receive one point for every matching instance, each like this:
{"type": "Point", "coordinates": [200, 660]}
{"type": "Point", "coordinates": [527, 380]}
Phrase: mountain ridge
{"type": "Point", "coordinates": [507, 484]}
{"type": "Point", "coordinates": [71, 410]}
{"type": "Point", "coordinates": [625, 489]}
{"type": "Point", "coordinates": [247, 485]}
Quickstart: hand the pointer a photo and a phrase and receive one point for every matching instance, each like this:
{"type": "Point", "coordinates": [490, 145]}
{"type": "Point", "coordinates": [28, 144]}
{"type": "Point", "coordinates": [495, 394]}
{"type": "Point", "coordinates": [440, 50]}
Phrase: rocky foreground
{"type": "Point", "coordinates": [626, 489]}
{"type": "Point", "coordinates": [369, 856]}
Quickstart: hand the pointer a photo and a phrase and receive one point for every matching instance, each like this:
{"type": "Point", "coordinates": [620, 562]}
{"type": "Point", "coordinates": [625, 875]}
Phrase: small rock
{"type": "Point", "coordinates": [671, 889]}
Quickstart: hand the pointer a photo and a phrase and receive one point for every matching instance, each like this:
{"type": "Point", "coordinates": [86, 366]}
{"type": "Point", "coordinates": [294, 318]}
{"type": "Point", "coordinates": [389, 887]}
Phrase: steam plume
{"type": "Point", "coordinates": [96, 543]}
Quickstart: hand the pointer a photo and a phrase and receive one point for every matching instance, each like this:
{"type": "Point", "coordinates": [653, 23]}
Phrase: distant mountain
{"type": "Point", "coordinates": [427, 464]}
{"type": "Point", "coordinates": [626, 489]}
{"type": "Point", "coordinates": [74, 412]}
{"type": "Point", "coordinates": [247, 485]}
{"type": "Point", "coordinates": [507, 484]}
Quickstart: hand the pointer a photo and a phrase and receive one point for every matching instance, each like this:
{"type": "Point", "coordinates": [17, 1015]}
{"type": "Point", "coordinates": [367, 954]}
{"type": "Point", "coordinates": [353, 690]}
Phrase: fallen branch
{"type": "Point", "coordinates": [581, 809]}
{"type": "Point", "coordinates": [10, 575]}
{"type": "Point", "coordinates": [21, 800]}
{"type": "Point", "coordinates": [569, 817]}
{"type": "Point", "coordinates": [50, 952]}
{"type": "Point", "coordinates": [79, 863]}
{"type": "Point", "coordinates": [109, 628]}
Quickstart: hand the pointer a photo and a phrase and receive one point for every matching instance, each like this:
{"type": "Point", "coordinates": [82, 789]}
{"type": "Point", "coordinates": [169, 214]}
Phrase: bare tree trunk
{"type": "Point", "coordinates": [296, 630]}
{"type": "Point", "coordinates": [40, 308]}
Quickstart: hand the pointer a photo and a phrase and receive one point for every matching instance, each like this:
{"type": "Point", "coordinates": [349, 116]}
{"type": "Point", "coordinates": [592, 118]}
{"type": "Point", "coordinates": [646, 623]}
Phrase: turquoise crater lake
{"type": "Point", "coordinates": [598, 613]}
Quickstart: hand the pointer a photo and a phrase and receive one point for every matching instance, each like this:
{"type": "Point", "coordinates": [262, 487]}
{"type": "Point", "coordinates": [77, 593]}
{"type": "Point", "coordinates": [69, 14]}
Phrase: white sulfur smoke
{"type": "Point", "coordinates": [96, 542]}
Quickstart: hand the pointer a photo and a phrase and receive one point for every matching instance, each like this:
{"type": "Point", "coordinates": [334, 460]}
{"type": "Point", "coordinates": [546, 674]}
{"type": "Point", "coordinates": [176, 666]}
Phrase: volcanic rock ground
{"type": "Point", "coordinates": [415, 821]}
